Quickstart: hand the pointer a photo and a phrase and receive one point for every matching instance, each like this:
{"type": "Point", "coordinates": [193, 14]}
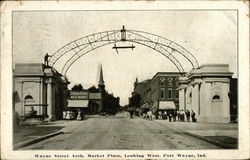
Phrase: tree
{"type": "Point", "coordinates": [77, 87]}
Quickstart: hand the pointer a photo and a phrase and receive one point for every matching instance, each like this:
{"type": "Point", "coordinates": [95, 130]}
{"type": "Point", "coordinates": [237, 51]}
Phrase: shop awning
{"type": "Point", "coordinates": [78, 103]}
{"type": "Point", "coordinates": [165, 105]}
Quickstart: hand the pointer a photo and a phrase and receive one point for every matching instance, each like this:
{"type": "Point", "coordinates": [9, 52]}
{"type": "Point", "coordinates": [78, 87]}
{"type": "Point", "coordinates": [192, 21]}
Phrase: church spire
{"type": "Point", "coordinates": [101, 81]}
{"type": "Point", "coordinates": [101, 84]}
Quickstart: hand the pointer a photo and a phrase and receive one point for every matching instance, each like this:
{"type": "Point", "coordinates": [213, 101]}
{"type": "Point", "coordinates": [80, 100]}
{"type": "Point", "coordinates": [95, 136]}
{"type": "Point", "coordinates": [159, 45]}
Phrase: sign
{"type": "Point", "coordinates": [79, 95]}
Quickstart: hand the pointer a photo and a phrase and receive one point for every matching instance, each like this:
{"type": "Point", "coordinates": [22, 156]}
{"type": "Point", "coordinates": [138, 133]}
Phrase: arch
{"type": "Point", "coordinates": [86, 44]}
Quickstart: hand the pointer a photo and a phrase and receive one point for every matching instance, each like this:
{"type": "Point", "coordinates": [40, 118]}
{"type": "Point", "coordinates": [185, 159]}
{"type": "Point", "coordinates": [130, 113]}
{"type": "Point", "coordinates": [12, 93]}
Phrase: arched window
{"type": "Point", "coordinates": [162, 81]}
{"type": "Point", "coordinates": [170, 81]}
{"type": "Point", "coordinates": [216, 97]}
{"type": "Point", "coordinates": [28, 97]}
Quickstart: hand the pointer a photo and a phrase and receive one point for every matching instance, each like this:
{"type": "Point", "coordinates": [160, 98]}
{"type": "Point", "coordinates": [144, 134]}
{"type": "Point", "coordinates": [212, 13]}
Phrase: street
{"type": "Point", "coordinates": [116, 132]}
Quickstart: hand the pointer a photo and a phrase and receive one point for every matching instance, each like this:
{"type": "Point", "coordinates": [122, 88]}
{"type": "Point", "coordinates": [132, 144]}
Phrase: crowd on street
{"type": "Point", "coordinates": [171, 115]}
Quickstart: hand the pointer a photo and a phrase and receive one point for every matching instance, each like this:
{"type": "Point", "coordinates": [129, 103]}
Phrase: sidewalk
{"type": "Point", "coordinates": [28, 134]}
{"type": "Point", "coordinates": [224, 138]}
{"type": "Point", "coordinates": [224, 135]}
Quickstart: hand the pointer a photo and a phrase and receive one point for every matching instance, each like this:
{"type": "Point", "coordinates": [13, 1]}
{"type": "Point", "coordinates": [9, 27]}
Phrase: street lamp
{"type": "Point", "coordinates": [123, 33]}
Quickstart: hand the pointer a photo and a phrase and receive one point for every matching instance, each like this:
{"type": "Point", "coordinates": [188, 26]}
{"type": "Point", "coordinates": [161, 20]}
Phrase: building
{"type": "Point", "coordinates": [162, 88]}
{"type": "Point", "coordinates": [94, 100]}
{"type": "Point", "coordinates": [140, 94]}
{"type": "Point", "coordinates": [39, 91]}
{"type": "Point", "coordinates": [87, 101]}
{"type": "Point", "coordinates": [206, 91]}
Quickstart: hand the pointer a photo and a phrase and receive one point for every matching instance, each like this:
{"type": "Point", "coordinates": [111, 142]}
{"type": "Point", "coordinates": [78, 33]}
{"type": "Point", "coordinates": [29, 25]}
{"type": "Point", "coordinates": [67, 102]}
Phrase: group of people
{"type": "Point", "coordinates": [171, 115]}
{"type": "Point", "coordinates": [181, 115]}
{"type": "Point", "coordinates": [73, 115]}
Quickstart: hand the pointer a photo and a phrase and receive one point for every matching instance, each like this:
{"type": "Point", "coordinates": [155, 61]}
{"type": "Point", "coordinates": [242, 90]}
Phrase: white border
{"type": "Point", "coordinates": [6, 69]}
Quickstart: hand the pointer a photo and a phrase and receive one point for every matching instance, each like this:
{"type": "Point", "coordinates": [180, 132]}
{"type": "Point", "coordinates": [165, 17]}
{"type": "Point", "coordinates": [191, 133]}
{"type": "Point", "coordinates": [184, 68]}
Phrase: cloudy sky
{"type": "Point", "coordinates": [211, 36]}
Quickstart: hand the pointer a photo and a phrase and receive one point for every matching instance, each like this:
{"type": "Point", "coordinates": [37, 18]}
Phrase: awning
{"type": "Point", "coordinates": [78, 103]}
{"type": "Point", "coordinates": [165, 105]}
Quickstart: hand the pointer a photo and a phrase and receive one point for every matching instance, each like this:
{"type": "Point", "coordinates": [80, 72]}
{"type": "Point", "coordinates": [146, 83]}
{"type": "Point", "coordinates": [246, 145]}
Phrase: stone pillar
{"type": "Point", "coordinates": [49, 101]}
{"type": "Point", "coordinates": [207, 106]}
{"type": "Point", "coordinates": [185, 99]}
{"type": "Point", "coordinates": [226, 102]}
{"type": "Point", "coordinates": [195, 98]}
{"type": "Point", "coordinates": [181, 98]}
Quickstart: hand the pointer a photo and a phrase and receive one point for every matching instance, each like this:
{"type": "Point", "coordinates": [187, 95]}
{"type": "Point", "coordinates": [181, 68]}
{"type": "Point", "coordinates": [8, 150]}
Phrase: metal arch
{"type": "Point", "coordinates": [77, 45]}
{"type": "Point", "coordinates": [114, 39]}
{"type": "Point", "coordinates": [170, 44]}
{"type": "Point", "coordinates": [88, 43]}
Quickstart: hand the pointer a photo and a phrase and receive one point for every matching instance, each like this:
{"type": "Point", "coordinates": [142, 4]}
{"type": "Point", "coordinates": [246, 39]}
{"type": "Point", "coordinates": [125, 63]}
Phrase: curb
{"type": "Point", "coordinates": [35, 140]}
{"type": "Point", "coordinates": [215, 142]}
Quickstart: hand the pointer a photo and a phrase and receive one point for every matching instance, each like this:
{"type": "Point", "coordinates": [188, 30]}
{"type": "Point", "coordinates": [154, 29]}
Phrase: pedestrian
{"type": "Point", "coordinates": [174, 115]}
{"type": "Point", "coordinates": [165, 115]}
{"type": "Point", "coordinates": [178, 115]}
{"type": "Point", "coordinates": [182, 115]}
{"type": "Point", "coordinates": [170, 116]}
{"type": "Point", "coordinates": [149, 115]}
{"type": "Point", "coordinates": [193, 116]}
{"type": "Point", "coordinates": [188, 115]}
{"type": "Point", "coordinates": [160, 115]}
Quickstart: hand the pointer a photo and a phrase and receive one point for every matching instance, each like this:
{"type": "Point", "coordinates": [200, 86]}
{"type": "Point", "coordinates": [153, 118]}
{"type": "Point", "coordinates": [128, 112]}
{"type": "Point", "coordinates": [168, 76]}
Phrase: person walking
{"type": "Point", "coordinates": [182, 115]}
{"type": "Point", "coordinates": [188, 115]}
{"type": "Point", "coordinates": [174, 115]}
{"type": "Point", "coordinates": [170, 116]}
{"type": "Point", "coordinates": [193, 116]}
{"type": "Point", "coordinates": [165, 115]}
{"type": "Point", "coordinates": [159, 115]}
{"type": "Point", "coordinates": [178, 115]}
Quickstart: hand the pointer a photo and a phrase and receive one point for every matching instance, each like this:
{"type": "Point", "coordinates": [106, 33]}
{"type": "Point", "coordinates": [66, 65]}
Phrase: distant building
{"type": "Point", "coordinates": [94, 100]}
{"type": "Point", "coordinates": [89, 102]}
{"type": "Point", "coordinates": [164, 88]}
{"type": "Point", "coordinates": [39, 91]}
{"type": "Point", "coordinates": [161, 88]}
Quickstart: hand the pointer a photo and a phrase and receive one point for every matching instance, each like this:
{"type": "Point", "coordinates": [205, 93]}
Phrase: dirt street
{"type": "Point", "coordinates": [118, 133]}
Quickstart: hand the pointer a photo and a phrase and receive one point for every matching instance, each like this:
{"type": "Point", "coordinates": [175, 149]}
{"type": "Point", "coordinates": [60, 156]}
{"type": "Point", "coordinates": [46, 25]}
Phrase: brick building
{"type": "Point", "coordinates": [161, 88]}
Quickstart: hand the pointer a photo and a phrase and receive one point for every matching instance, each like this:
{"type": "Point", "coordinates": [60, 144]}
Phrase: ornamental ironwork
{"type": "Point", "coordinates": [86, 44]}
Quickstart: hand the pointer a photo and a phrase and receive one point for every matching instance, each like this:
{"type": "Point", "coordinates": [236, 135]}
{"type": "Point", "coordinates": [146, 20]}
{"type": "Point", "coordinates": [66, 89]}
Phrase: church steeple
{"type": "Point", "coordinates": [101, 84]}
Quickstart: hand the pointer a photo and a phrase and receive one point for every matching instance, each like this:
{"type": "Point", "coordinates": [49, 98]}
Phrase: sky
{"type": "Point", "coordinates": [211, 36]}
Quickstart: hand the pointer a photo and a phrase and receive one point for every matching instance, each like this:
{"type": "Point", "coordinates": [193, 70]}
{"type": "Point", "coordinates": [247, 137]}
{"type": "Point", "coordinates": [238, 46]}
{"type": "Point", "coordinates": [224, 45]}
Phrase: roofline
{"type": "Point", "coordinates": [179, 73]}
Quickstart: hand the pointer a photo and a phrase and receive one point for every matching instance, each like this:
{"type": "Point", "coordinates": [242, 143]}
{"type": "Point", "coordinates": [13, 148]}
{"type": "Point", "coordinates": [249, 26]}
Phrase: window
{"type": "Point", "coordinates": [162, 81]}
{"type": "Point", "coordinates": [28, 97]}
{"type": "Point", "coordinates": [216, 97]}
{"type": "Point", "coordinates": [169, 93]}
{"type": "Point", "coordinates": [170, 81]}
{"type": "Point", "coordinates": [162, 93]}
